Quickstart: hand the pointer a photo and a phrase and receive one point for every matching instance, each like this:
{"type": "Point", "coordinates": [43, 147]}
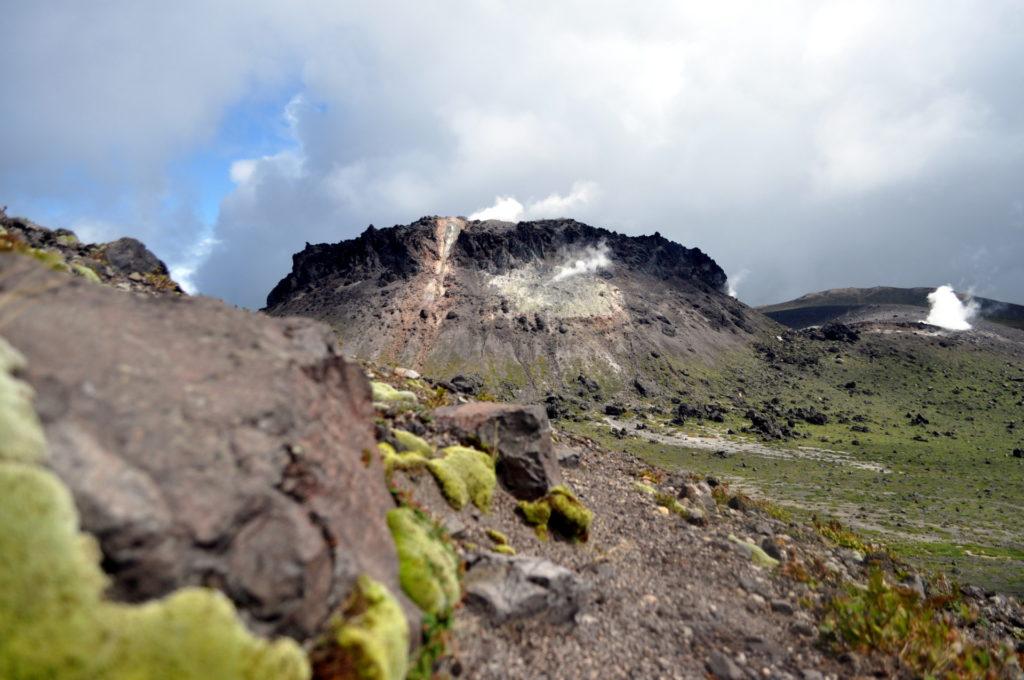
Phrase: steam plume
{"type": "Point", "coordinates": [594, 258]}
{"type": "Point", "coordinates": [734, 281]}
{"type": "Point", "coordinates": [948, 311]}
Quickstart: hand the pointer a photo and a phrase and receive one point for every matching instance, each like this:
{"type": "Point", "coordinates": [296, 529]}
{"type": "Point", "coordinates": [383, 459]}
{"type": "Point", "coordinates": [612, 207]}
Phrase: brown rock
{"type": "Point", "coordinates": [206, 445]}
{"type": "Point", "coordinates": [521, 436]}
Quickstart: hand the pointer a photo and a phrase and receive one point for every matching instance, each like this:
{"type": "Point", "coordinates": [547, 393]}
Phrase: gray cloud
{"type": "Point", "coordinates": [851, 143]}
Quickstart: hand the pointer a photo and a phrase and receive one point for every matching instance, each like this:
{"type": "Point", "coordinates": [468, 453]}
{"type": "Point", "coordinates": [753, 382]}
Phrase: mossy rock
{"type": "Point", "coordinates": [21, 435]}
{"type": "Point", "coordinates": [410, 443]}
{"type": "Point", "coordinates": [55, 624]}
{"type": "Point", "coordinates": [464, 475]}
{"type": "Point", "coordinates": [428, 568]}
{"type": "Point", "coordinates": [561, 511]}
{"type": "Point", "coordinates": [757, 555]}
{"type": "Point", "coordinates": [370, 640]}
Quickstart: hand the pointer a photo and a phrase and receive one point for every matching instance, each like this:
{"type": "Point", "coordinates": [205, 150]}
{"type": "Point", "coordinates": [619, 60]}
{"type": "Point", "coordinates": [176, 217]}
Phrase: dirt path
{"type": "Point", "coordinates": [741, 446]}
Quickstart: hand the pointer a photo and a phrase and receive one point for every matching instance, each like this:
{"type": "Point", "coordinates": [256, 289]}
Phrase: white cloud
{"type": "Point", "coordinates": [766, 135]}
{"type": "Point", "coordinates": [508, 209]}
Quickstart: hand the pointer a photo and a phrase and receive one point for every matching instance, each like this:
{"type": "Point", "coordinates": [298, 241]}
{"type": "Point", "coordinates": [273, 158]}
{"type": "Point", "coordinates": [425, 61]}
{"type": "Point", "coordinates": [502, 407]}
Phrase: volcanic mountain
{"type": "Point", "coordinates": [881, 303]}
{"type": "Point", "coordinates": [524, 307]}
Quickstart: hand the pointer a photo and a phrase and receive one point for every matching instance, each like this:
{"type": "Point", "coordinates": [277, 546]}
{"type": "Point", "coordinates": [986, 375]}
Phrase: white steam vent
{"type": "Point", "coordinates": [591, 259]}
{"type": "Point", "coordinates": [948, 311]}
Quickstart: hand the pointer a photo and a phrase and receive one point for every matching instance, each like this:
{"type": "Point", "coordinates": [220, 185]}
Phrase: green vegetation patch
{"type": "Point", "coordinates": [561, 511]}
{"type": "Point", "coordinates": [922, 634]}
{"type": "Point", "coordinates": [370, 640]}
{"type": "Point", "coordinates": [399, 461]}
{"type": "Point", "coordinates": [464, 475]}
{"type": "Point", "coordinates": [408, 442]}
{"type": "Point", "coordinates": [387, 395]}
{"type": "Point", "coordinates": [55, 624]}
{"type": "Point", "coordinates": [428, 568]}
{"type": "Point", "coordinates": [21, 435]}
{"type": "Point", "coordinates": [757, 555]}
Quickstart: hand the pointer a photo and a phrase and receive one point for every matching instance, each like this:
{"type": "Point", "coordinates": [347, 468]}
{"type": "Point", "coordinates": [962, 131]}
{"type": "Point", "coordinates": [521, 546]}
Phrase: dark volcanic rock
{"type": "Point", "coordinates": [809, 415]}
{"type": "Point", "coordinates": [128, 255]}
{"type": "Point", "coordinates": [766, 425]}
{"type": "Point", "coordinates": [834, 332]}
{"type": "Point", "coordinates": [445, 295]}
{"type": "Point", "coordinates": [206, 445]}
{"type": "Point", "coordinates": [521, 436]}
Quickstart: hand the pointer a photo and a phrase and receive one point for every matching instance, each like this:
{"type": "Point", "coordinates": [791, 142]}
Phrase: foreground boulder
{"type": "Point", "coordinates": [506, 588]}
{"type": "Point", "coordinates": [205, 445]}
{"type": "Point", "coordinates": [521, 437]}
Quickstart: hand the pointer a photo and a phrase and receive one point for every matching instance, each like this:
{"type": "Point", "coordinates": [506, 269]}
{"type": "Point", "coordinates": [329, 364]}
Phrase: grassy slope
{"type": "Point", "coordinates": [951, 501]}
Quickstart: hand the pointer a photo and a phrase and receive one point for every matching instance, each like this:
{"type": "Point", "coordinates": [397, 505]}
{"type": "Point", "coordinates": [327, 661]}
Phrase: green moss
{"type": "Point", "coordinates": [757, 555]}
{"type": "Point", "coordinates": [50, 258]}
{"type": "Point", "coordinates": [407, 441]}
{"type": "Point", "coordinates": [504, 549]}
{"type": "Point", "coordinates": [427, 566]}
{"type": "Point", "coordinates": [21, 435]}
{"type": "Point", "coordinates": [645, 488]}
{"type": "Point", "coordinates": [373, 636]}
{"type": "Point", "coordinates": [399, 461]}
{"type": "Point", "coordinates": [561, 511]}
{"type": "Point", "coordinates": [384, 393]}
{"type": "Point", "coordinates": [497, 536]}
{"type": "Point", "coordinates": [670, 502]}
{"type": "Point", "coordinates": [464, 475]}
{"type": "Point", "coordinates": [86, 273]}
{"type": "Point", "coordinates": [67, 240]}
{"type": "Point", "coordinates": [55, 624]}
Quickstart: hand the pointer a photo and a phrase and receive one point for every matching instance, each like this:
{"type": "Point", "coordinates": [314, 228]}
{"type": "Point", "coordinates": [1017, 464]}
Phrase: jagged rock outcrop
{"type": "Point", "coordinates": [522, 307]}
{"type": "Point", "coordinates": [205, 445]}
{"type": "Point", "coordinates": [125, 263]}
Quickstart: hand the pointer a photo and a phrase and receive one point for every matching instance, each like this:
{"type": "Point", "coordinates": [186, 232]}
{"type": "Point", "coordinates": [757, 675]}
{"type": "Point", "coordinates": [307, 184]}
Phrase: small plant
{"type": "Point", "coordinates": [841, 536]}
{"type": "Point", "coordinates": [892, 620]}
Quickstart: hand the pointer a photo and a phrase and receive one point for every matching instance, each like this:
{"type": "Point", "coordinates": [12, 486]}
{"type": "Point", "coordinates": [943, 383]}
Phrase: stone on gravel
{"type": "Point", "coordinates": [724, 668]}
{"type": "Point", "coordinates": [521, 437]}
{"type": "Point", "coordinates": [506, 588]}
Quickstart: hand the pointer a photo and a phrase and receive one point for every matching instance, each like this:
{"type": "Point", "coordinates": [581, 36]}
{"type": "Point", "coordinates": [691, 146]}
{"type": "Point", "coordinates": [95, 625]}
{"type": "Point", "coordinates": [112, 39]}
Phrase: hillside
{"type": "Point", "coordinates": [846, 305]}
{"type": "Point", "coordinates": [194, 491]}
{"type": "Point", "coordinates": [523, 308]}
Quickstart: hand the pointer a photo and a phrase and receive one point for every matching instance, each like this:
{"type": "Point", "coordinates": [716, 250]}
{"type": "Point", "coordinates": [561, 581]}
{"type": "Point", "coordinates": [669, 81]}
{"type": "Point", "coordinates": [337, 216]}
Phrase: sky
{"type": "Point", "coordinates": [803, 145]}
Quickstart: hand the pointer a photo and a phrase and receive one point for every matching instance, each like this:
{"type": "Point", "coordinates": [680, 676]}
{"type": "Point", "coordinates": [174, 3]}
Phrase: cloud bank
{"type": "Point", "coordinates": [818, 144]}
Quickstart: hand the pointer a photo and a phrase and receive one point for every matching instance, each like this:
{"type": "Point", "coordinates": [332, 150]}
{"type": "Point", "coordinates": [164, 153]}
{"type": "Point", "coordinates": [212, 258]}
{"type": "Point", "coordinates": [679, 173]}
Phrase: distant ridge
{"type": "Point", "coordinates": [853, 304]}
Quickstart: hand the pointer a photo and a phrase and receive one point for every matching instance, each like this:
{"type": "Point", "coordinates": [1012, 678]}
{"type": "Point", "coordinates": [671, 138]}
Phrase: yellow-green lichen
{"type": "Point", "coordinates": [497, 536]}
{"type": "Point", "coordinates": [464, 475]}
{"type": "Point", "coordinates": [560, 510]}
{"type": "Point", "coordinates": [54, 622]}
{"type": "Point", "coordinates": [86, 273]}
{"type": "Point", "coordinates": [399, 461]}
{"type": "Point", "coordinates": [50, 258]}
{"type": "Point", "coordinates": [21, 435]}
{"type": "Point", "coordinates": [645, 488]}
{"type": "Point", "coordinates": [757, 555]}
{"type": "Point", "coordinates": [371, 638]}
{"type": "Point", "coordinates": [408, 442]}
{"type": "Point", "coordinates": [504, 549]}
{"type": "Point", "coordinates": [387, 395]}
{"type": "Point", "coordinates": [427, 566]}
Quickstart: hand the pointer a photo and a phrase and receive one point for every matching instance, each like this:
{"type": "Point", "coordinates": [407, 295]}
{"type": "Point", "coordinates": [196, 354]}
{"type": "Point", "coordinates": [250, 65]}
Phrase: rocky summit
{"type": "Point", "coordinates": [523, 308]}
{"type": "Point", "coordinates": [531, 450]}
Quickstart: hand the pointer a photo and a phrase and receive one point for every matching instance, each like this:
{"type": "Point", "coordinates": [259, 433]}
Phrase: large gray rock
{"type": "Point", "coordinates": [505, 588]}
{"type": "Point", "coordinates": [521, 435]}
{"type": "Point", "coordinates": [206, 445]}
